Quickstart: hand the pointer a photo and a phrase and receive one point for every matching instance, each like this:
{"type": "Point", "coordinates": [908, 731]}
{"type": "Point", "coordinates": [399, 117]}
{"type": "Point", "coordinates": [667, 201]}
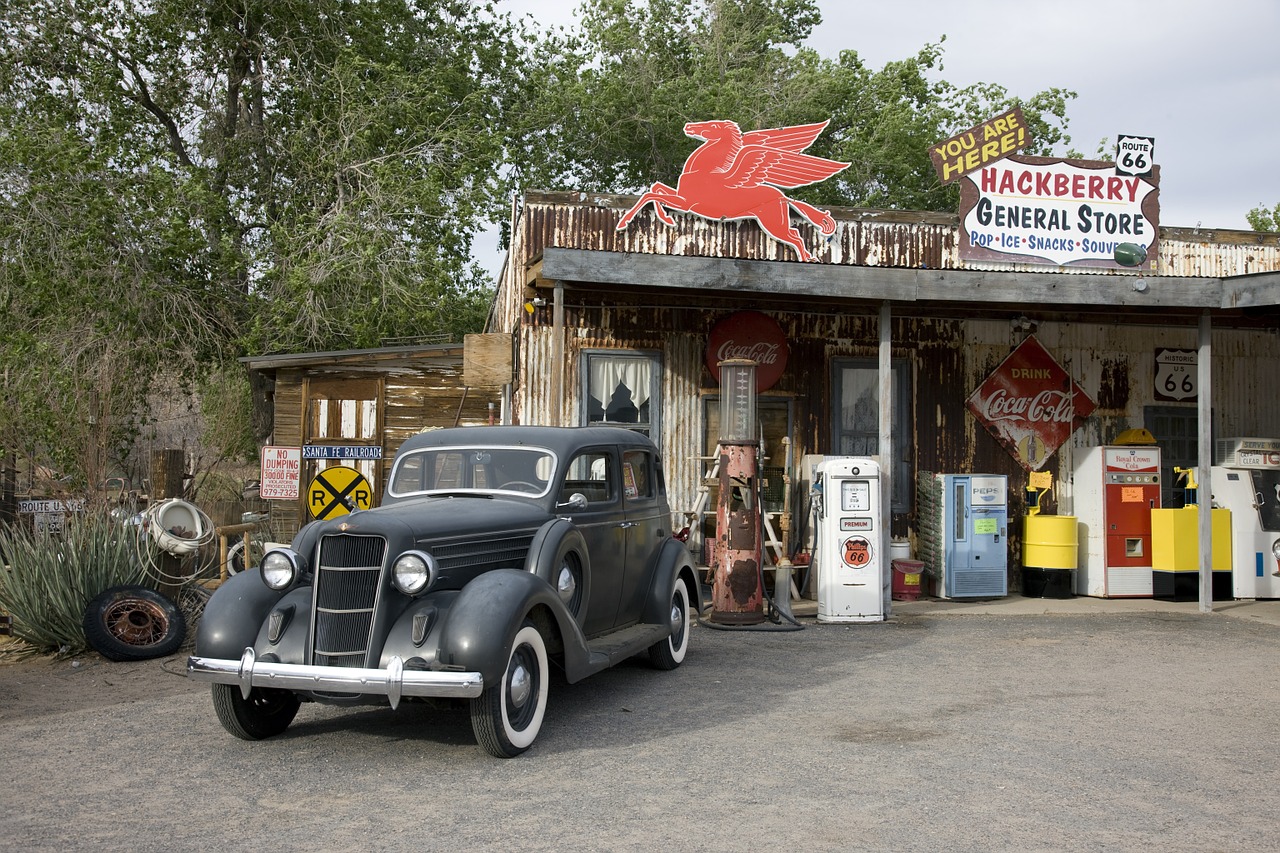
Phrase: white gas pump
{"type": "Point", "coordinates": [1246, 480]}
{"type": "Point", "coordinates": [851, 567]}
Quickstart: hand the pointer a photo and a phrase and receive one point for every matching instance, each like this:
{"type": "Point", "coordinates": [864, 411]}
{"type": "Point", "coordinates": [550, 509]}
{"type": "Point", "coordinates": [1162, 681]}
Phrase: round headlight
{"type": "Point", "coordinates": [279, 569]}
{"type": "Point", "coordinates": [1275, 549]}
{"type": "Point", "coordinates": [413, 572]}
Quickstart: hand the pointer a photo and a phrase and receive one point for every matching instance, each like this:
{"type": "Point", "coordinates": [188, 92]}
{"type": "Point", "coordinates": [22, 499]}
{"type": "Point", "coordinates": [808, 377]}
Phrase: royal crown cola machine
{"type": "Point", "coordinates": [1115, 489]}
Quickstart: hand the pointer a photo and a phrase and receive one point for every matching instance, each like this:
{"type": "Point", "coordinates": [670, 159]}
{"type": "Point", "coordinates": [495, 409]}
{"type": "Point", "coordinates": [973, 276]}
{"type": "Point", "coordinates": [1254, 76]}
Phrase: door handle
{"type": "Point", "coordinates": [625, 524]}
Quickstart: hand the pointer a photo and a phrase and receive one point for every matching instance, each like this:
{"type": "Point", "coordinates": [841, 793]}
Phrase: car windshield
{"type": "Point", "coordinates": [483, 470]}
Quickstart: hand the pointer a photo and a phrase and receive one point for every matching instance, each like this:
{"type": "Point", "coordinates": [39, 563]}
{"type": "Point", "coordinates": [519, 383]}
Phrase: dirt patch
{"type": "Point", "coordinates": [43, 685]}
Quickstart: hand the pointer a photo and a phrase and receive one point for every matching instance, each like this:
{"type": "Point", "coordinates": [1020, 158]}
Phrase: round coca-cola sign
{"type": "Point", "coordinates": [749, 334]}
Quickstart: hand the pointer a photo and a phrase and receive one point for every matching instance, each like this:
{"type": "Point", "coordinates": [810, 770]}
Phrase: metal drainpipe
{"type": "Point", "coordinates": [557, 354]}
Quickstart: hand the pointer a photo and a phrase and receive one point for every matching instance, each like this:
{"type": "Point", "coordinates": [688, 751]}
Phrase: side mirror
{"type": "Point", "coordinates": [577, 500]}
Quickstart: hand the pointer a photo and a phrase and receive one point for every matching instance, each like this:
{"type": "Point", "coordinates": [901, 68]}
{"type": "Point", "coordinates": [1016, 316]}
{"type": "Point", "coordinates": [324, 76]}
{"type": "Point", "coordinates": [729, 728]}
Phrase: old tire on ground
{"type": "Point", "coordinates": [507, 716]}
{"type": "Point", "coordinates": [266, 713]}
{"type": "Point", "coordinates": [133, 623]}
{"type": "Point", "coordinates": [669, 653]}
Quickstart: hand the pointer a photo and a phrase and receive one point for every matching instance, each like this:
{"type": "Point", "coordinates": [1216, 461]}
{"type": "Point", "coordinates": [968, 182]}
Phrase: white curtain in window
{"type": "Point", "coordinates": [607, 372]}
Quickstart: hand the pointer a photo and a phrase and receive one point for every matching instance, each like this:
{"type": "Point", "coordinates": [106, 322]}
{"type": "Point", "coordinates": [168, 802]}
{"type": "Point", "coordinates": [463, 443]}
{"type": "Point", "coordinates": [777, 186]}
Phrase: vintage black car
{"type": "Point", "coordinates": [497, 553]}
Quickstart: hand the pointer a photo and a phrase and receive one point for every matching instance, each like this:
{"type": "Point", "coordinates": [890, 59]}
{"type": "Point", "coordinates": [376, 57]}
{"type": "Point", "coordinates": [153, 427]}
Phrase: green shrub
{"type": "Point", "coordinates": [48, 580]}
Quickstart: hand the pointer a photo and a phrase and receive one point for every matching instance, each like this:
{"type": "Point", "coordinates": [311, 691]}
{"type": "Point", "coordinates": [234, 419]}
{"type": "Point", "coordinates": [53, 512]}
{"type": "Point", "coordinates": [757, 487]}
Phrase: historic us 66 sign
{"type": "Point", "coordinates": [1176, 374]}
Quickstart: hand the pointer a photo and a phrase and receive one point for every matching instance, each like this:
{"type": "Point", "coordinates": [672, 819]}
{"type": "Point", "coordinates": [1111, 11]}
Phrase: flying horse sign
{"type": "Point", "coordinates": [736, 175]}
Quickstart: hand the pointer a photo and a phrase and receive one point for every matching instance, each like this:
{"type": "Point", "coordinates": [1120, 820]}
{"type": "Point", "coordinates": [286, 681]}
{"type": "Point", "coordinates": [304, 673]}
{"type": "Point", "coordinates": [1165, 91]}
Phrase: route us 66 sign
{"type": "Point", "coordinates": [1135, 155]}
{"type": "Point", "coordinates": [1176, 374]}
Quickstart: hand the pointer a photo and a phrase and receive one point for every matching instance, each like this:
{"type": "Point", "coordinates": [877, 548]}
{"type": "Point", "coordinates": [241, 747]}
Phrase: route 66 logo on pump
{"type": "Point", "coordinates": [856, 552]}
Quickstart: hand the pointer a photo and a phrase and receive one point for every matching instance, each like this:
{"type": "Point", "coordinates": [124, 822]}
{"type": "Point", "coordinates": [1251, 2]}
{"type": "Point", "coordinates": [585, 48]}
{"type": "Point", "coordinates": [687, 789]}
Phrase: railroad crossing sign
{"type": "Point", "coordinates": [336, 491]}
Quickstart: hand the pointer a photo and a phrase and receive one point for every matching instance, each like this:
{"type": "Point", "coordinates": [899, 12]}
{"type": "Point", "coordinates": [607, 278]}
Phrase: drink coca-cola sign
{"type": "Point", "coordinates": [749, 334]}
{"type": "Point", "coordinates": [1030, 404]}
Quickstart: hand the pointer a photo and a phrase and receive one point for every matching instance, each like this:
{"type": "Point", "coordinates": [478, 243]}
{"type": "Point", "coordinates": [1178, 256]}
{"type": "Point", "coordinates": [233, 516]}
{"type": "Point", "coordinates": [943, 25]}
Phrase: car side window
{"type": "Point", "coordinates": [637, 479]}
{"type": "Point", "coordinates": [591, 473]}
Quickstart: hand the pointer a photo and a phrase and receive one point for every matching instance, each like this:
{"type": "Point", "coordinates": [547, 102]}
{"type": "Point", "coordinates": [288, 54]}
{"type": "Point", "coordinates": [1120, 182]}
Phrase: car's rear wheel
{"type": "Point", "coordinates": [508, 715]}
{"type": "Point", "coordinates": [266, 713]}
{"type": "Point", "coordinates": [669, 653]}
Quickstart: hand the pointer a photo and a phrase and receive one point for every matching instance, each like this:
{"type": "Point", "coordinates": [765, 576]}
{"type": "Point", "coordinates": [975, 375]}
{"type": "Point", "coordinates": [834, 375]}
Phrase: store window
{"type": "Point", "coordinates": [856, 419]}
{"type": "Point", "coordinates": [622, 389]}
{"type": "Point", "coordinates": [1177, 431]}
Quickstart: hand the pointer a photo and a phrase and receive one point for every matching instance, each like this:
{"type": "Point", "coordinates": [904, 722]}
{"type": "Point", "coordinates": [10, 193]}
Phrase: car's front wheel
{"type": "Point", "coordinates": [508, 715]}
{"type": "Point", "coordinates": [266, 713]}
{"type": "Point", "coordinates": [669, 653]}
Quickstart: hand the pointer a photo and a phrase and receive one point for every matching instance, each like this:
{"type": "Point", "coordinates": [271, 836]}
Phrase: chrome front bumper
{"type": "Point", "coordinates": [393, 682]}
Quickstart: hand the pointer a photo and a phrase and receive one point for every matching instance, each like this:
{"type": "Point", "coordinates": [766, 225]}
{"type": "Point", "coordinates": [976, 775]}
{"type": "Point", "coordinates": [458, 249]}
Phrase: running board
{"type": "Point", "coordinates": [617, 646]}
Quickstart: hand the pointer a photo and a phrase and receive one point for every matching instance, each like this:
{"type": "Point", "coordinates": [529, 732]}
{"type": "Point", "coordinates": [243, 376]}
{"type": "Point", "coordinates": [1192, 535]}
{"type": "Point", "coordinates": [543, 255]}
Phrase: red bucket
{"type": "Point", "coordinates": [906, 580]}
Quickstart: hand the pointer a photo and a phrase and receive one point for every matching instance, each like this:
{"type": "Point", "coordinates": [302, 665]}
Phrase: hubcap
{"type": "Point", "coordinates": [676, 617]}
{"type": "Point", "coordinates": [520, 685]}
{"type": "Point", "coordinates": [567, 585]}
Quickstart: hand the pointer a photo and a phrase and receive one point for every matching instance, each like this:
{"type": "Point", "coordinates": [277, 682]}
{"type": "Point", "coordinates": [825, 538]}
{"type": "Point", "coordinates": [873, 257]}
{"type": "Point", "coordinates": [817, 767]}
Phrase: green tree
{"type": "Point", "coordinates": [636, 72]}
{"type": "Point", "coordinates": [1262, 218]}
{"type": "Point", "coordinates": [186, 181]}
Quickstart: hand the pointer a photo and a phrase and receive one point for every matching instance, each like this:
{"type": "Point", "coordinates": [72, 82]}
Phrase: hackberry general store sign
{"type": "Point", "coordinates": [1049, 210]}
{"type": "Point", "coordinates": [1030, 404]}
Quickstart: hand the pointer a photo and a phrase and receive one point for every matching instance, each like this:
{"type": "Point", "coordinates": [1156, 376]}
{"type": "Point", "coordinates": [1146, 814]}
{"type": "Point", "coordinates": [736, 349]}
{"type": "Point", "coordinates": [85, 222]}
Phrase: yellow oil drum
{"type": "Point", "coordinates": [1050, 542]}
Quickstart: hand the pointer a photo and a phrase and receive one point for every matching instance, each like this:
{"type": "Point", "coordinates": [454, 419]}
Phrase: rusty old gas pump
{"type": "Point", "coordinates": [737, 594]}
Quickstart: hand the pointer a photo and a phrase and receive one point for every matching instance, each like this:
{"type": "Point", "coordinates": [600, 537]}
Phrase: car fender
{"type": "Point", "coordinates": [477, 630]}
{"type": "Point", "coordinates": [673, 562]}
{"type": "Point", "coordinates": [550, 544]}
{"type": "Point", "coordinates": [234, 615]}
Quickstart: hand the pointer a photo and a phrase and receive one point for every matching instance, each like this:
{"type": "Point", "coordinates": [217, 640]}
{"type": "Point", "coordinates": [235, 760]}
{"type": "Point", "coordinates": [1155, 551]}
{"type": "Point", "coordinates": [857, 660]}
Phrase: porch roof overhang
{"type": "Point", "coordinates": [386, 358]}
{"type": "Point", "coordinates": [995, 288]}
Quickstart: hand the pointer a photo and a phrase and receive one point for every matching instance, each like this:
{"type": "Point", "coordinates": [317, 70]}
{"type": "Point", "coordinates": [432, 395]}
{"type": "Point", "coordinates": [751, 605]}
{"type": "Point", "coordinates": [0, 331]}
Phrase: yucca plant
{"type": "Point", "coordinates": [48, 579]}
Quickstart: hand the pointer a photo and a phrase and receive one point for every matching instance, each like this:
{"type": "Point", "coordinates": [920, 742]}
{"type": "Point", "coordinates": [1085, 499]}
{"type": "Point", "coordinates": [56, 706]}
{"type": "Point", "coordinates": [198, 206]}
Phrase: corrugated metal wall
{"type": "Point", "coordinates": [1112, 359]}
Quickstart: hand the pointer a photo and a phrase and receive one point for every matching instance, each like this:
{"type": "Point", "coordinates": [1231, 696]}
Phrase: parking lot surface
{"type": "Point", "coordinates": [944, 728]}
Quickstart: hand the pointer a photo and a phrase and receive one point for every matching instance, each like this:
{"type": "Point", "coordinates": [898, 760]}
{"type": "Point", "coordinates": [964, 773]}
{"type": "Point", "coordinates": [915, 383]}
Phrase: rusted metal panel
{"type": "Point", "coordinates": [907, 239]}
{"type": "Point", "coordinates": [951, 348]}
{"type": "Point", "coordinates": [680, 438]}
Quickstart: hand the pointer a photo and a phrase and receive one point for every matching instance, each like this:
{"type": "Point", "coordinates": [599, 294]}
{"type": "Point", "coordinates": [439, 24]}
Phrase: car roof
{"type": "Point", "coordinates": [561, 440]}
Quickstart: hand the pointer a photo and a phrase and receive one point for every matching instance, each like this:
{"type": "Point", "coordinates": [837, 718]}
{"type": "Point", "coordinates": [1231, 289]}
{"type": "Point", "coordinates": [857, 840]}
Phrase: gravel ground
{"type": "Point", "coordinates": [959, 732]}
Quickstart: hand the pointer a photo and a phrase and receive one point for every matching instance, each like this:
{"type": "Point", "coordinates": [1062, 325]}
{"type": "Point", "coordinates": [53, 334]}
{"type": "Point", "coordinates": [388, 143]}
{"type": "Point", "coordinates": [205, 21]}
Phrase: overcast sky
{"type": "Point", "coordinates": [1202, 78]}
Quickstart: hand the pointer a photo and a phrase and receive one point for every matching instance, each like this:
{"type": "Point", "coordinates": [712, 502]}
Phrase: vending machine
{"type": "Point", "coordinates": [851, 567]}
{"type": "Point", "coordinates": [964, 525]}
{"type": "Point", "coordinates": [1246, 480]}
{"type": "Point", "coordinates": [1115, 489]}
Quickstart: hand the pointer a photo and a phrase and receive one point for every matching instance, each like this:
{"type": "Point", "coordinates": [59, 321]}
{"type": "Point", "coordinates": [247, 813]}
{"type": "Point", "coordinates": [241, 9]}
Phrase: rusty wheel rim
{"type": "Point", "coordinates": [136, 622]}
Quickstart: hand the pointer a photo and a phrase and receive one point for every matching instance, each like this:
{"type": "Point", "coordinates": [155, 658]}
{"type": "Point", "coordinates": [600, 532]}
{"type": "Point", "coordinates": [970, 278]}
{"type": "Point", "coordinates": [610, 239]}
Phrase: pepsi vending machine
{"type": "Point", "coordinates": [964, 525]}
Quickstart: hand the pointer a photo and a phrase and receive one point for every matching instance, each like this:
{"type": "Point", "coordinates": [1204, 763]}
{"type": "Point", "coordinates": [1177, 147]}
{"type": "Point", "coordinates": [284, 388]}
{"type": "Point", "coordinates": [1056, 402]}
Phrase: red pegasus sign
{"type": "Point", "coordinates": [735, 175]}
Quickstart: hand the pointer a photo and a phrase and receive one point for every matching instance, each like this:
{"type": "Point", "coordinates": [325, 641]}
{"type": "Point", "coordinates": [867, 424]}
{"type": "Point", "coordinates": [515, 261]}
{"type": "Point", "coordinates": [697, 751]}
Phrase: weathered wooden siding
{"type": "Point", "coordinates": [430, 395]}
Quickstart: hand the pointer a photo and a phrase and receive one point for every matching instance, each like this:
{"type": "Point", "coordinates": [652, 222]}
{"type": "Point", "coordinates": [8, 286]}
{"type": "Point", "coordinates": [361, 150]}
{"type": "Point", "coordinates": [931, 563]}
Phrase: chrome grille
{"type": "Point", "coordinates": [348, 579]}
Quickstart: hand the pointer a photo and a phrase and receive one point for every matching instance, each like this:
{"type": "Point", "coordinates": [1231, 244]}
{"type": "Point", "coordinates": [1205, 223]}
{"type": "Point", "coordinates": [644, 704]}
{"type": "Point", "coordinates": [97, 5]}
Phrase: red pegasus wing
{"type": "Point", "coordinates": [757, 164]}
{"type": "Point", "coordinates": [795, 138]}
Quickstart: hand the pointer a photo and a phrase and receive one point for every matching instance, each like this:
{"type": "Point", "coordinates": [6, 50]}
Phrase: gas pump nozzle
{"type": "Point", "coordinates": [1189, 489]}
{"type": "Point", "coordinates": [1038, 484]}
